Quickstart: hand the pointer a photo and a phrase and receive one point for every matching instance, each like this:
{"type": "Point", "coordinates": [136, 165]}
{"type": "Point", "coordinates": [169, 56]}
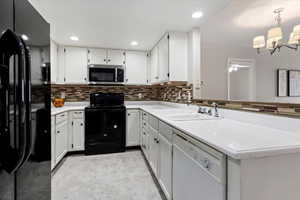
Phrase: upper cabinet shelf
{"type": "Point", "coordinates": [106, 57]}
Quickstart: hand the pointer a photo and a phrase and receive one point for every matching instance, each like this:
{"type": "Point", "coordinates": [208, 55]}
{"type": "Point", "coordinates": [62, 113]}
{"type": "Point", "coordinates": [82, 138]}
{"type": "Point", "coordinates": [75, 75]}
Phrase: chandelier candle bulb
{"type": "Point", "coordinates": [275, 34]}
{"type": "Point", "coordinates": [259, 42]}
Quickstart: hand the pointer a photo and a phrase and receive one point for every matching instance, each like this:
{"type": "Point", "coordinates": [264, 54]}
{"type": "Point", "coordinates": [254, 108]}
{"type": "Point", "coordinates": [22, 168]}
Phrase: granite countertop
{"type": "Point", "coordinates": [236, 139]}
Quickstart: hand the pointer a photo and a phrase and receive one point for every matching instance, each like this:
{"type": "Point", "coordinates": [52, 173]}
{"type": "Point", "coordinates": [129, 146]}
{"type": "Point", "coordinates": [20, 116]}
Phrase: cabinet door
{"type": "Point", "coordinates": [165, 166]}
{"type": "Point", "coordinates": [60, 65]}
{"type": "Point", "coordinates": [76, 65]}
{"type": "Point", "coordinates": [54, 61]}
{"type": "Point", "coordinates": [78, 135]}
{"type": "Point", "coordinates": [153, 149]}
{"type": "Point", "coordinates": [61, 140]}
{"type": "Point", "coordinates": [133, 128]}
{"type": "Point", "coordinates": [115, 57]}
{"type": "Point", "coordinates": [136, 67]}
{"type": "Point", "coordinates": [53, 131]}
{"type": "Point", "coordinates": [97, 56]}
{"type": "Point", "coordinates": [154, 65]}
{"type": "Point", "coordinates": [163, 59]}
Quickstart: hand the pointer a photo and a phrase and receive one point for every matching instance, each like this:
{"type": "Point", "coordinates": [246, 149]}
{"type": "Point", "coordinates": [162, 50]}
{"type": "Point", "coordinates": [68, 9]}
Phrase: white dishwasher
{"type": "Point", "coordinates": [199, 172]}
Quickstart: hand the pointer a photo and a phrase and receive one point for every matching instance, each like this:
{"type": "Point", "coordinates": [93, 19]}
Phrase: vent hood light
{"type": "Point", "coordinates": [197, 15]}
{"type": "Point", "coordinates": [134, 43]}
{"type": "Point", "coordinates": [74, 38]}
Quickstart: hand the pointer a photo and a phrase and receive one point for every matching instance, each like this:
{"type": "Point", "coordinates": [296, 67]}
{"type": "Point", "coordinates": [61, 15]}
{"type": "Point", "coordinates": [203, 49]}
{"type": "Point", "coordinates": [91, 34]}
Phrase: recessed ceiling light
{"type": "Point", "coordinates": [134, 43]}
{"type": "Point", "coordinates": [24, 37]}
{"type": "Point", "coordinates": [74, 38]}
{"type": "Point", "coordinates": [197, 15]}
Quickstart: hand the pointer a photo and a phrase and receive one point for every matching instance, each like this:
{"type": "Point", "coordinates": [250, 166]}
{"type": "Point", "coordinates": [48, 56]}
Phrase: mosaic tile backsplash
{"type": "Point", "coordinates": [173, 93]}
{"type": "Point", "coordinates": [132, 93]}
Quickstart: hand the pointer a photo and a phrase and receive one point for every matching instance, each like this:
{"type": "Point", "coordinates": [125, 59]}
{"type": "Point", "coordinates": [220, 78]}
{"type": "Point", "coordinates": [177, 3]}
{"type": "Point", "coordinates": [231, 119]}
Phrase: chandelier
{"type": "Point", "coordinates": [274, 40]}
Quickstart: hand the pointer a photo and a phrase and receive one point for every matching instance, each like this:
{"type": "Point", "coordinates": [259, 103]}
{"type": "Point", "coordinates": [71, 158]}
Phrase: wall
{"type": "Point", "coordinates": [266, 73]}
{"type": "Point", "coordinates": [214, 60]}
{"type": "Point", "coordinates": [214, 69]}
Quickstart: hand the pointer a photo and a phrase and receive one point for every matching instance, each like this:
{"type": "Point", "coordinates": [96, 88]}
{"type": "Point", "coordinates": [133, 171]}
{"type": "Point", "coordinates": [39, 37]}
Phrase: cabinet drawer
{"type": "Point", "coordinates": [165, 130]}
{"type": "Point", "coordinates": [153, 122]}
{"type": "Point", "coordinates": [61, 118]}
{"type": "Point", "coordinates": [77, 114]}
{"type": "Point", "coordinates": [209, 161]}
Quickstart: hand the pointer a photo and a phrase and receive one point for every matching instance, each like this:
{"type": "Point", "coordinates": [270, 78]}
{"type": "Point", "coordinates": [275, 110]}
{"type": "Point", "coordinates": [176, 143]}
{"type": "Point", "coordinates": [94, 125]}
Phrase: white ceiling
{"type": "Point", "coordinates": [241, 20]}
{"type": "Point", "coordinates": [115, 23]}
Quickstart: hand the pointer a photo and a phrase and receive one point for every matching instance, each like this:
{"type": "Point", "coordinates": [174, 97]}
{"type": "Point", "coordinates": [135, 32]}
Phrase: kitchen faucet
{"type": "Point", "coordinates": [216, 110]}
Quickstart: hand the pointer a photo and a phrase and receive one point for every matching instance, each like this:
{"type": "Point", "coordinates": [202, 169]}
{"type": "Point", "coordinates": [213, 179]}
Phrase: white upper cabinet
{"type": "Point", "coordinates": [136, 67]}
{"type": "Point", "coordinates": [54, 61]}
{"type": "Point", "coordinates": [60, 72]}
{"type": "Point", "coordinates": [163, 59]}
{"type": "Point", "coordinates": [178, 56]}
{"type": "Point", "coordinates": [97, 56]}
{"type": "Point", "coordinates": [106, 57]}
{"type": "Point", "coordinates": [169, 58]}
{"type": "Point", "coordinates": [75, 65]}
{"type": "Point", "coordinates": [115, 57]}
{"type": "Point", "coordinates": [154, 66]}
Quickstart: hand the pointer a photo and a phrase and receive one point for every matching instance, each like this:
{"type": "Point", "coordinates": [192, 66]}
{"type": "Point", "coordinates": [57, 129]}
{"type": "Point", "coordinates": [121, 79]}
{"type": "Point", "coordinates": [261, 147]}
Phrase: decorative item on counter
{"type": "Point", "coordinates": [59, 101]}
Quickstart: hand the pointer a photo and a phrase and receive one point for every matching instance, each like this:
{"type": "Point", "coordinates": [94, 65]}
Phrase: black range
{"type": "Point", "coordinates": [105, 124]}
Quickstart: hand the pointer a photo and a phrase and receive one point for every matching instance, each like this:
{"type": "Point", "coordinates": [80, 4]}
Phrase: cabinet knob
{"type": "Point", "coordinates": [57, 131]}
{"type": "Point", "coordinates": [81, 124]}
{"type": "Point", "coordinates": [108, 60]}
{"type": "Point", "coordinates": [206, 164]}
{"type": "Point", "coordinates": [128, 114]}
{"type": "Point", "coordinates": [104, 60]}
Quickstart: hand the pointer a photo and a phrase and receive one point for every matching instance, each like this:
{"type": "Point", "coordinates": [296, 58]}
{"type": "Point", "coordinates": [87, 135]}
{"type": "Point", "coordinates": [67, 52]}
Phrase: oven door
{"type": "Point", "coordinates": [102, 74]}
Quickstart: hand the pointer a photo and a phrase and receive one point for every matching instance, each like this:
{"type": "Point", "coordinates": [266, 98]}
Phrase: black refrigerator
{"type": "Point", "coordinates": [25, 140]}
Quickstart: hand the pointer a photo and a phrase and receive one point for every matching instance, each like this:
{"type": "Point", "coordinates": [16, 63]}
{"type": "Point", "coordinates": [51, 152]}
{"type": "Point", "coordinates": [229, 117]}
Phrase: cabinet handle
{"type": "Point", "coordinates": [144, 124]}
{"type": "Point", "coordinates": [206, 164]}
{"type": "Point", "coordinates": [104, 60]}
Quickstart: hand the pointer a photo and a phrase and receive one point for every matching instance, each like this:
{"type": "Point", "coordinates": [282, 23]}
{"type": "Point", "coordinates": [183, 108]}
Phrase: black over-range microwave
{"type": "Point", "coordinates": [105, 74]}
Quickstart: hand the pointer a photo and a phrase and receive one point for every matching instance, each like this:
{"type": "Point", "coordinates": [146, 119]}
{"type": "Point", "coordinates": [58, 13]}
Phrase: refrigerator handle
{"type": "Point", "coordinates": [26, 81]}
{"type": "Point", "coordinates": [11, 157]}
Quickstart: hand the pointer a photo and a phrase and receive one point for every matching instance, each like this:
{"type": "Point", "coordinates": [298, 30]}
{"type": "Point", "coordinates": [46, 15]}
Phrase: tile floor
{"type": "Point", "coordinates": [121, 176]}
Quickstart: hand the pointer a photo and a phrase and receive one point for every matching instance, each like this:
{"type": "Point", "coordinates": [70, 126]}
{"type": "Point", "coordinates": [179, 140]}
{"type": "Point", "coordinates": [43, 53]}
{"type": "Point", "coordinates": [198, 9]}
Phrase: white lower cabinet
{"type": "Point", "coordinates": [184, 168]}
{"type": "Point", "coordinates": [132, 127]}
{"type": "Point", "coordinates": [76, 134]}
{"type": "Point", "coordinates": [165, 159]}
{"type": "Point", "coordinates": [61, 140]}
{"type": "Point", "coordinates": [52, 142]}
{"type": "Point", "coordinates": [153, 149]}
{"type": "Point", "coordinates": [67, 134]}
